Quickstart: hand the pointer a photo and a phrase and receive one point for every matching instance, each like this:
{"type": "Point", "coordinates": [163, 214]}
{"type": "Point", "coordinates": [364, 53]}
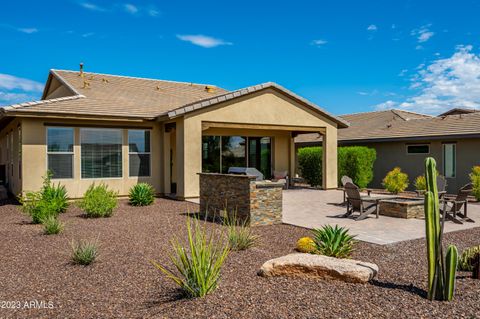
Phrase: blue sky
{"type": "Point", "coordinates": [346, 56]}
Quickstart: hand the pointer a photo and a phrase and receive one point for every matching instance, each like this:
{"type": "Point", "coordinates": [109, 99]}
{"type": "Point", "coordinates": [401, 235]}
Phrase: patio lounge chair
{"type": "Point", "coordinates": [452, 206]}
{"type": "Point", "coordinates": [359, 203]}
{"type": "Point", "coordinates": [344, 180]}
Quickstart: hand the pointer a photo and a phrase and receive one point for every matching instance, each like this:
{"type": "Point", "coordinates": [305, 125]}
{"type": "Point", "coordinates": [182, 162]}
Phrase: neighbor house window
{"type": "Point", "coordinates": [101, 153]}
{"type": "Point", "coordinates": [449, 160]}
{"type": "Point", "coordinates": [60, 151]}
{"type": "Point", "coordinates": [418, 149]}
{"type": "Point", "coordinates": [139, 152]}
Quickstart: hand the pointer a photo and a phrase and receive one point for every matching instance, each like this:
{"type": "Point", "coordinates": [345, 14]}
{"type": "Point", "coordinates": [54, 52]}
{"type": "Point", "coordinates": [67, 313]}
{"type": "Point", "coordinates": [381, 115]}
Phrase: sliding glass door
{"type": "Point", "coordinates": [260, 154]}
{"type": "Point", "coordinates": [219, 153]}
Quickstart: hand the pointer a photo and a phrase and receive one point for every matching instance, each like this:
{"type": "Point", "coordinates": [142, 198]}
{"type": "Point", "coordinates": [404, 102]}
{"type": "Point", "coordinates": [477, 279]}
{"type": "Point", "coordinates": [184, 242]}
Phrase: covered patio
{"type": "Point", "coordinates": [312, 208]}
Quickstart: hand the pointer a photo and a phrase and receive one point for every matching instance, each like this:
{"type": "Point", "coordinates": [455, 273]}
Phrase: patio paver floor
{"type": "Point", "coordinates": [313, 208]}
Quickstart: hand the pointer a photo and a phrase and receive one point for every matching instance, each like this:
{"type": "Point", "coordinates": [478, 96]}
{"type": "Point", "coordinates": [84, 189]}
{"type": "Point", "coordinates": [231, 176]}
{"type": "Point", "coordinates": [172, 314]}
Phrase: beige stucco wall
{"type": "Point", "coordinates": [391, 154]}
{"type": "Point", "coordinates": [35, 159]}
{"type": "Point", "coordinates": [266, 107]}
{"type": "Point", "coordinates": [11, 157]}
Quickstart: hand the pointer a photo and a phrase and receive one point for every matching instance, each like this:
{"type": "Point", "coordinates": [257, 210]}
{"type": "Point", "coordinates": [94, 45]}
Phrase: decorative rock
{"type": "Point", "coordinates": [321, 267]}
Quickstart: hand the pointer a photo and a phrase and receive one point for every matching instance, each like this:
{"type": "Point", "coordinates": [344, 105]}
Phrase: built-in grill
{"type": "Point", "coordinates": [252, 171]}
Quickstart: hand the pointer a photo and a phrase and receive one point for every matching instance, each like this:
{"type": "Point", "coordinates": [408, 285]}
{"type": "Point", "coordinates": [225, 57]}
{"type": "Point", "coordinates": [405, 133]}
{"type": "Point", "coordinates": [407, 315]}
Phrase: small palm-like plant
{"type": "Point", "coordinates": [198, 263]}
{"type": "Point", "coordinates": [333, 241]}
{"type": "Point", "coordinates": [84, 252]}
{"type": "Point", "coordinates": [52, 226]}
{"type": "Point", "coordinates": [239, 232]}
{"type": "Point", "coordinates": [142, 194]}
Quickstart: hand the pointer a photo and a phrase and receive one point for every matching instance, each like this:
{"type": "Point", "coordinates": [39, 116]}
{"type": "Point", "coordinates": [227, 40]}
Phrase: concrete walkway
{"type": "Point", "coordinates": [313, 208]}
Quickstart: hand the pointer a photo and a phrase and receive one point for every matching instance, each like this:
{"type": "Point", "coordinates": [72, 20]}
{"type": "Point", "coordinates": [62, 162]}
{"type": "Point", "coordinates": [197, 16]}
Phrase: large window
{"type": "Point", "coordinates": [449, 160]}
{"type": "Point", "coordinates": [233, 152]}
{"type": "Point", "coordinates": [101, 153]}
{"type": "Point", "coordinates": [139, 152]}
{"type": "Point", "coordinates": [60, 151]}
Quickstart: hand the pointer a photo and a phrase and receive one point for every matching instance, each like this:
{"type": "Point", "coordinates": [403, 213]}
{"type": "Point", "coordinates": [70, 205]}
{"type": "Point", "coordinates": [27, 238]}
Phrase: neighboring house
{"type": "Point", "coordinates": [120, 130]}
{"type": "Point", "coordinates": [405, 139]}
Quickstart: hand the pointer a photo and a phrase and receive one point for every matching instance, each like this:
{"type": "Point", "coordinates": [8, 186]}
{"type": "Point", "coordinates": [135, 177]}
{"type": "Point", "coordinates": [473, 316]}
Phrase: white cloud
{"type": "Point", "coordinates": [423, 34]}
{"type": "Point", "coordinates": [91, 6]}
{"type": "Point", "coordinates": [10, 82]}
{"type": "Point", "coordinates": [319, 43]}
{"type": "Point", "coordinates": [153, 12]}
{"type": "Point", "coordinates": [372, 27]}
{"type": "Point", "coordinates": [16, 90]}
{"type": "Point", "coordinates": [203, 40]}
{"type": "Point", "coordinates": [130, 8]}
{"type": "Point", "coordinates": [88, 34]}
{"type": "Point", "coordinates": [444, 84]}
{"type": "Point", "coordinates": [386, 105]}
{"type": "Point", "coordinates": [403, 72]}
{"type": "Point", "coordinates": [28, 30]}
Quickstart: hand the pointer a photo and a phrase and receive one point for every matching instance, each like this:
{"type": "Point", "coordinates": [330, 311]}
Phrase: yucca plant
{"type": "Point", "coordinates": [198, 263]}
{"type": "Point", "coordinates": [142, 194]}
{"type": "Point", "coordinates": [52, 225]}
{"type": "Point", "coordinates": [239, 232]}
{"type": "Point", "coordinates": [84, 252]}
{"type": "Point", "coordinates": [333, 241]}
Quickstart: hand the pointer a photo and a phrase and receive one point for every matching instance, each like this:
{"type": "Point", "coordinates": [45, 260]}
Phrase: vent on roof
{"type": "Point", "coordinates": [81, 69]}
{"type": "Point", "coordinates": [210, 89]}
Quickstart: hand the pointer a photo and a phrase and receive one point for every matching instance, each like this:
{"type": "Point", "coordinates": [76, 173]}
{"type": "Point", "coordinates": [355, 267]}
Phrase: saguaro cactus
{"type": "Point", "coordinates": [441, 272]}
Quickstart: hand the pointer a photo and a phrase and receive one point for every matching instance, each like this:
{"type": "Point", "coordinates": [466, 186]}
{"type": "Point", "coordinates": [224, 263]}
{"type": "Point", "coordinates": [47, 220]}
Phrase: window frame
{"type": "Point", "coordinates": [420, 144]}
{"type": "Point", "coordinates": [121, 150]}
{"type": "Point", "coordinates": [454, 159]}
{"type": "Point", "coordinates": [72, 153]}
{"type": "Point", "coordinates": [142, 153]}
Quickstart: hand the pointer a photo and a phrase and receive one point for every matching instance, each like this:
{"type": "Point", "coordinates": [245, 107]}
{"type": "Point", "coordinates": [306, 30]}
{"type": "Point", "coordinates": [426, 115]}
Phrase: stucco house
{"type": "Point", "coordinates": [120, 130]}
{"type": "Point", "coordinates": [405, 139]}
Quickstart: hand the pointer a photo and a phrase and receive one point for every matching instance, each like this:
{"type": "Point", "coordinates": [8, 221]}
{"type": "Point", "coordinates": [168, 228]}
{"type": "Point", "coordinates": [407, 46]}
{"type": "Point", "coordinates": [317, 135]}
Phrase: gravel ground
{"type": "Point", "coordinates": [123, 283]}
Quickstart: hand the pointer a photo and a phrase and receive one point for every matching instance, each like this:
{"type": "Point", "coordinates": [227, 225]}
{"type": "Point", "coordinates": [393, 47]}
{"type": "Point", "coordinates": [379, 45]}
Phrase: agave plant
{"type": "Point", "coordinates": [333, 241]}
{"type": "Point", "coordinates": [142, 194]}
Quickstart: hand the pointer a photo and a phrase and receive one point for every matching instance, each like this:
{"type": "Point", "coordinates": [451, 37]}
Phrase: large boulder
{"type": "Point", "coordinates": [318, 266]}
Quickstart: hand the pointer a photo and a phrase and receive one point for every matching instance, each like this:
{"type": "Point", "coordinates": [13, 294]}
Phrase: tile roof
{"type": "Point", "coordinates": [132, 97]}
{"type": "Point", "coordinates": [401, 125]}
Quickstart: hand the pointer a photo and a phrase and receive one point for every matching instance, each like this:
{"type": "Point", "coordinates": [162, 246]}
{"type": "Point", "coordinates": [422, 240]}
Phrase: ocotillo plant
{"type": "Point", "coordinates": [441, 271]}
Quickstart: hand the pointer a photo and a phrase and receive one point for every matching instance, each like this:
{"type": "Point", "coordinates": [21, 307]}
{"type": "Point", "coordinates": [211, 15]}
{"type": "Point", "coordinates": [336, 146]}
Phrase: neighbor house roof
{"type": "Point", "coordinates": [103, 95]}
{"type": "Point", "coordinates": [401, 125]}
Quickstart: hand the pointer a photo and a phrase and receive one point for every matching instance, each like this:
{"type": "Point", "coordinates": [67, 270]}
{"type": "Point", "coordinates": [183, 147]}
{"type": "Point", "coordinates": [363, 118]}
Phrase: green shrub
{"type": "Point", "coordinates": [310, 164]}
{"type": "Point", "coordinates": [239, 233]}
{"type": "Point", "coordinates": [198, 263]}
{"type": "Point", "coordinates": [396, 181]}
{"type": "Point", "coordinates": [356, 162]}
{"type": "Point", "coordinates": [49, 201]}
{"type": "Point", "coordinates": [52, 225]}
{"type": "Point", "coordinates": [475, 179]}
{"type": "Point", "coordinates": [333, 242]}
{"type": "Point", "coordinates": [98, 201]}
{"type": "Point", "coordinates": [84, 252]}
{"type": "Point", "coordinates": [420, 183]}
{"type": "Point", "coordinates": [467, 259]}
{"type": "Point", "coordinates": [353, 161]}
{"type": "Point", "coordinates": [142, 194]}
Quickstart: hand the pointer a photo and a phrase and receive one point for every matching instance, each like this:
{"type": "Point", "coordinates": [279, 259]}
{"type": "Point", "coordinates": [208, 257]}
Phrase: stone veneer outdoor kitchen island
{"type": "Point", "coordinates": [259, 202]}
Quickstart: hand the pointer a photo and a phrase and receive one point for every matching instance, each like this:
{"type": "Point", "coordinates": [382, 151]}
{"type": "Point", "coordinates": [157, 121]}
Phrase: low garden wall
{"type": "Point", "coordinates": [259, 202]}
